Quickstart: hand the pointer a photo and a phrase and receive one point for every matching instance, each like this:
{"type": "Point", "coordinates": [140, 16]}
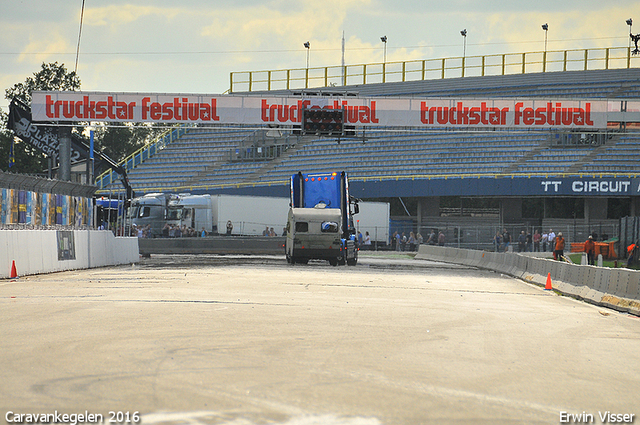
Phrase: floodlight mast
{"type": "Point", "coordinates": [463, 33]}
{"type": "Point", "coordinates": [307, 45]}
{"type": "Point", "coordinates": [545, 27]}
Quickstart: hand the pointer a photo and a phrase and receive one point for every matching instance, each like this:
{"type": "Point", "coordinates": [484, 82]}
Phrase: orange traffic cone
{"type": "Point", "coordinates": [548, 286]}
{"type": "Point", "coordinates": [14, 272]}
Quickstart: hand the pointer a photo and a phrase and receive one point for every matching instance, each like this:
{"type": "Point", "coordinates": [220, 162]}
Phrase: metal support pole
{"type": "Point", "coordinates": [64, 153]}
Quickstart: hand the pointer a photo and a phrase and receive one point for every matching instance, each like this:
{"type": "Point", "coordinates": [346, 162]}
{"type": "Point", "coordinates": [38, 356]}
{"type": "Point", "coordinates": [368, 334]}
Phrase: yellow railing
{"type": "Point", "coordinates": [427, 69]}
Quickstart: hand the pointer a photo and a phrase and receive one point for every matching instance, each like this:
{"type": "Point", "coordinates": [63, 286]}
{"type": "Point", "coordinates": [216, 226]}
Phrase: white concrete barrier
{"type": "Point", "coordinates": [36, 251]}
{"type": "Point", "coordinates": [615, 288]}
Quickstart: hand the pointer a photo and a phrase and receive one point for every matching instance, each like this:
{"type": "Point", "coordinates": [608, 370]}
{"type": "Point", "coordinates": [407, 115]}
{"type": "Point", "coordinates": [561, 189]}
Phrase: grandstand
{"type": "Point", "coordinates": [428, 164]}
{"type": "Point", "coordinates": [205, 157]}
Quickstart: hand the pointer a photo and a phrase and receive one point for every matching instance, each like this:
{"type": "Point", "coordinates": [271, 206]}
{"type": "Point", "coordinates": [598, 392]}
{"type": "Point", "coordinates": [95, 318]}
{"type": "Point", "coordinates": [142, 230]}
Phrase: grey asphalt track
{"type": "Point", "coordinates": [252, 340]}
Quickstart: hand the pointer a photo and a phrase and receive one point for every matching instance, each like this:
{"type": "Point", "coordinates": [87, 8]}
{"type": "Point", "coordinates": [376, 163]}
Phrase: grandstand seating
{"type": "Point", "coordinates": [202, 157]}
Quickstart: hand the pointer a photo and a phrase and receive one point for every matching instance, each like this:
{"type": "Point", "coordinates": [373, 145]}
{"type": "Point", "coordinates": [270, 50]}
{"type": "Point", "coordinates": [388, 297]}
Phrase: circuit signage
{"type": "Point", "coordinates": [287, 111]}
{"type": "Point", "coordinates": [507, 186]}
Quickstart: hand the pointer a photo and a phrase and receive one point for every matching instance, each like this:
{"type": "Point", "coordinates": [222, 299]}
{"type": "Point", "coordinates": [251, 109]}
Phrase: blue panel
{"type": "Point", "coordinates": [321, 188]}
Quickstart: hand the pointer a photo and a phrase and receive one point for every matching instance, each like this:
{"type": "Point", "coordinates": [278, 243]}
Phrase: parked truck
{"type": "Point", "coordinates": [320, 224]}
{"type": "Point", "coordinates": [149, 210]}
{"type": "Point", "coordinates": [374, 218]}
{"type": "Point", "coordinates": [249, 215]}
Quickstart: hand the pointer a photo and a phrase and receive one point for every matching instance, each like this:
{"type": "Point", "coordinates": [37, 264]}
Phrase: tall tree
{"type": "Point", "coordinates": [52, 76]}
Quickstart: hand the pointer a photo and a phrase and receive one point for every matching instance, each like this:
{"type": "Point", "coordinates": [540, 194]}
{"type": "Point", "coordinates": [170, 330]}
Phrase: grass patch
{"type": "Point", "coordinates": [576, 258]}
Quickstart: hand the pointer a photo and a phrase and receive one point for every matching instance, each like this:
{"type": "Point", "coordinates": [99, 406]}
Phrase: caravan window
{"type": "Point", "coordinates": [302, 226]}
{"type": "Point", "coordinates": [329, 227]}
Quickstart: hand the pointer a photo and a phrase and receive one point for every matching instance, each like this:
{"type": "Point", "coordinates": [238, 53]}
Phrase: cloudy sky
{"type": "Point", "coordinates": [191, 46]}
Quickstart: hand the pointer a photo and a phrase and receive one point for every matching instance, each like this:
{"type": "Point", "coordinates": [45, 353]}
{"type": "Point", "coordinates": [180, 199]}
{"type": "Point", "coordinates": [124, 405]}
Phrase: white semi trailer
{"type": "Point", "coordinates": [249, 215]}
{"type": "Point", "coordinates": [374, 218]}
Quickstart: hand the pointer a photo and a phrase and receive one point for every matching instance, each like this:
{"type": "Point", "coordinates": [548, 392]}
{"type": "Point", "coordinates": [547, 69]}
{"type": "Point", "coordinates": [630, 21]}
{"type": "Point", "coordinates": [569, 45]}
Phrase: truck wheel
{"type": "Point", "coordinates": [352, 261]}
{"type": "Point", "coordinates": [333, 262]}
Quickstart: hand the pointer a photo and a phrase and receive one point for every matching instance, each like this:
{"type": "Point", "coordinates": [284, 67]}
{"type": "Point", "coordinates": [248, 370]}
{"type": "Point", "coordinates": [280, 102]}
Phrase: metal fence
{"type": "Point", "coordinates": [428, 69]}
{"type": "Point", "coordinates": [481, 237]}
{"type": "Point", "coordinates": [629, 232]}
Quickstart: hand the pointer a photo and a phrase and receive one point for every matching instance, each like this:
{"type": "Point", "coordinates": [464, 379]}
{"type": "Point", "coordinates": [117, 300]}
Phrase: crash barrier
{"type": "Point", "coordinates": [618, 289]}
{"type": "Point", "coordinates": [31, 251]}
{"type": "Point", "coordinates": [221, 245]}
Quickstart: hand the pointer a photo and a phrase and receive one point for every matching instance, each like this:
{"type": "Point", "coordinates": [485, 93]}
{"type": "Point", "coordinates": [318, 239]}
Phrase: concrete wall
{"type": "Point", "coordinates": [614, 288]}
{"type": "Point", "coordinates": [244, 245]}
{"type": "Point", "coordinates": [36, 251]}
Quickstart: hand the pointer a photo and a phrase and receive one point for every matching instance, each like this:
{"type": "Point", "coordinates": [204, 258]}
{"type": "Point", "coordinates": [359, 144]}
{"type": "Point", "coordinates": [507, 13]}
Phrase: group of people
{"type": "Point", "coordinates": [271, 232]}
{"type": "Point", "coordinates": [176, 231]}
{"type": "Point", "coordinates": [364, 241]}
{"type": "Point", "coordinates": [400, 241]}
{"type": "Point", "coordinates": [141, 231]}
{"type": "Point", "coordinates": [526, 242]}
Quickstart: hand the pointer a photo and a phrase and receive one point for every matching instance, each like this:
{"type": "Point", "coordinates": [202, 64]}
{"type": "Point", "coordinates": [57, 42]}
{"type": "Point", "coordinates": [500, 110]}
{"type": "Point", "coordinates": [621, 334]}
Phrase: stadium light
{"type": "Point", "coordinates": [384, 40]}
{"type": "Point", "coordinates": [464, 44]}
{"type": "Point", "coordinates": [545, 27]}
{"type": "Point", "coordinates": [463, 33]}
{"type": "Point", "coordinates": [307, 45]}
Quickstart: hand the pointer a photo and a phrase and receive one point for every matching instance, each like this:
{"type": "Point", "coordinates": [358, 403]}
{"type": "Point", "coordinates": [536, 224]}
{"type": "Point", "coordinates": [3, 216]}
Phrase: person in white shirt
{"type": "Point", "coordinates": [552, 240]}
{"type": "Point", "coordinates": [367, 240]}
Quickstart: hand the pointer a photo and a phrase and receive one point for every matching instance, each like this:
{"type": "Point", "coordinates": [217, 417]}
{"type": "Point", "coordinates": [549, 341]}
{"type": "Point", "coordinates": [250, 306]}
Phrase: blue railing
{"type": "Point", "coordinates": [142, 154]}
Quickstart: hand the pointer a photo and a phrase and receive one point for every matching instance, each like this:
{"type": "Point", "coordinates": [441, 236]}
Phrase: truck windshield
{"type": "Point", "coordinates": [174, 213]}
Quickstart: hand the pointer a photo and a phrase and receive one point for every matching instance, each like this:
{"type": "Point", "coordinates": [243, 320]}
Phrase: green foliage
{"type": "Point", "coordinates": [52, 76]}
{"type": "Point", "coordinates": [115, 141]}
{"type": "Point", "coordinates": [118, 142]}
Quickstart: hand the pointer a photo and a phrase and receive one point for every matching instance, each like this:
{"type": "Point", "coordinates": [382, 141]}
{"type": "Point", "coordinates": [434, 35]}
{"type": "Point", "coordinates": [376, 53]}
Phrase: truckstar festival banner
{"type": "Point", "coordinates": [371, 112]}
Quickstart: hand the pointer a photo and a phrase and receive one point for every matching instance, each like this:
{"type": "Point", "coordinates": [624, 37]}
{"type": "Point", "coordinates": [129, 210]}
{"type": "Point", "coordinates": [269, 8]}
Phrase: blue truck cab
{"type": "Point", "coordinates": [320, 223]}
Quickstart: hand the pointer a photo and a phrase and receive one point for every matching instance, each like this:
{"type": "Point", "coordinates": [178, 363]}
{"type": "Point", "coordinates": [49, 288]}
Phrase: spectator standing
{"type": "Point", "coordinates": [522, 241]}
{"type": "Point", "coordinates": [558, 250]}
{"type": "Point", "coordinates": [551, 240]}
{"type": "Point", "coordinates": [545, 241]}
{"type": "Point", "coordinates": [537, 237]}
{"type": "Point", "coordinates": [432, 239]}
{"type": "Point", "coordinates": [506, 240]}
{"type": "Point", "coordinates": [441, 239]}
{"type": "Point", "coordinates": [590, 249]}
{"type": "Point", "coordinates": [367, 240]}
{"type": "Point", "coordinates": [229, 227]}
{"type": "Point", "coordinates": [412, 241]}
{"type": "Point", "coordinates": [497, 241]}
